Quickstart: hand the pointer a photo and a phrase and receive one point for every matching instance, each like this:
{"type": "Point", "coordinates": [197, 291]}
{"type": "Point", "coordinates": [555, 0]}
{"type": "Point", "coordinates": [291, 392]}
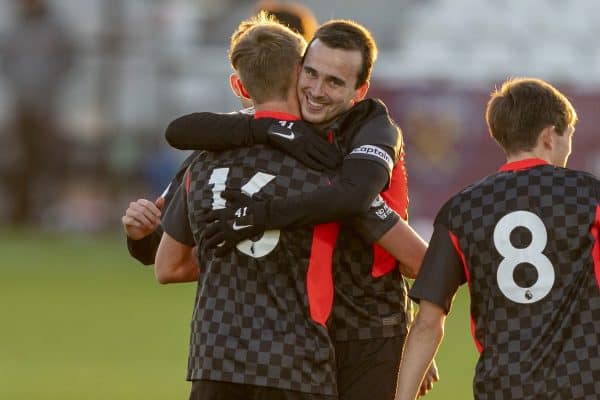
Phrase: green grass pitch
{"type": "Point", "coordinates": [82, 320]}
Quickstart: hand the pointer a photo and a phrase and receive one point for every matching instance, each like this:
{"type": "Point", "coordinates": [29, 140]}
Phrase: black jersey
{"type": "Point", "coordinates": [526, 241]}
{"type": "Point", "coordinates": [366, 131]}
{"type": "Point", "coordinates": [370, 299]}
{"type": "Point", "coordinates": [252, 322]}
{"type": "Point", "coordinates": [370, 293]}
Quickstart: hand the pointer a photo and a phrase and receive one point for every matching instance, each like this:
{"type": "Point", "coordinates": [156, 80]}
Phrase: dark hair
{"type": "Point", "coordinates": [265, 55]}
{"type": "Point", "coordinates": [295, 16]}
{"type": "Point", "coordinates": [518, 111]}
{"type": "Point", "coordinates": [349, 35]}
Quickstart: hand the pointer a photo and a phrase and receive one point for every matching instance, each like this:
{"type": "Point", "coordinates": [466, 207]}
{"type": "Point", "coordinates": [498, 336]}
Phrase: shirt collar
{"type": "Point", "coordinates": [523, 164]}
{"type": "Point", "coordinates": [276, 115]}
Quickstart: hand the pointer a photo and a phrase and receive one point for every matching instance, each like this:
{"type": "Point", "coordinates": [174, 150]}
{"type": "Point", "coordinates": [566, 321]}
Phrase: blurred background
{"type": "Point", "coordinates": [86, 90]}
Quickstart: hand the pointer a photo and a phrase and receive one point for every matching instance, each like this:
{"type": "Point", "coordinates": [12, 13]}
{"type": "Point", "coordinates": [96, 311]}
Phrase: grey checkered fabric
{"type": "Point", "coordinates": [251, 322]}
{"type": "Point", "coordinates": [536, 345]}
{"type": "Point", "coordinates": [365, 307]}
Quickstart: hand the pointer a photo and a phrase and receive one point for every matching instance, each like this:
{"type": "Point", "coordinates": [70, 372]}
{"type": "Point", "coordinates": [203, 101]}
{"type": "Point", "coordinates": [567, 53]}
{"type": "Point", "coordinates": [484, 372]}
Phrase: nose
{"type": "Point", "coordinates": [317, 89]}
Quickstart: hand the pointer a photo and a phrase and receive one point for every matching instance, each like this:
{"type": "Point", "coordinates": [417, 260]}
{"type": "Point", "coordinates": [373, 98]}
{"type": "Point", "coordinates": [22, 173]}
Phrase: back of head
{"type": "Point", "coordinates": [295, 16]}
{"type": "Point", "coordinates": [350, 35]}
{"type": "Point", "coordinates": [266, 55]}
{"type": "Point", "coordinates": [518, 111]}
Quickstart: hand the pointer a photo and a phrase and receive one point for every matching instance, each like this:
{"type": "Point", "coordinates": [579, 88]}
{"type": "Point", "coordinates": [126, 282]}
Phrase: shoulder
{"type": "Point", "coordinates": [587, 176]}
{"type": "Point", "coordinates": [585, 181]}
{"type": "Point", "coordinates": [463, 197]}
{"type": "Point", "coordinates": [369, 123]}
{"type": "Point", "coordinates": [367, 109]}
{"type": "Point", "coordinates": [364, 112]}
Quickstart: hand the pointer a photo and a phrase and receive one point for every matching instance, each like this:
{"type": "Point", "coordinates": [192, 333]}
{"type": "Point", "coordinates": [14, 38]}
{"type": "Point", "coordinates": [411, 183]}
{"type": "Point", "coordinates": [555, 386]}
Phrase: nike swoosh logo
{"type": "Point", "coordinates": [237, 227]}
{"type": "Point", "coordinates": [288, 136]}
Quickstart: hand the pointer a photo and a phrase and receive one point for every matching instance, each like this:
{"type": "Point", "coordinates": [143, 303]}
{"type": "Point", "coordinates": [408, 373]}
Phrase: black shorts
{"type": "Point", "coordinates": [368, 369]}
{"type": "Point", "coordinates": [216, 390]}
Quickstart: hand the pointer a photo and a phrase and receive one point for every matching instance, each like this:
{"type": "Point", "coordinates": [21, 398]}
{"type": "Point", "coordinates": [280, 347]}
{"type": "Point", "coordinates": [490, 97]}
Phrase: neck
{"type": "Point", "coordinates": [279, 106]}
{"type": "Point", "coordinates": [524, 155]}
{"type": "Point", "coordinates": [289, 105]}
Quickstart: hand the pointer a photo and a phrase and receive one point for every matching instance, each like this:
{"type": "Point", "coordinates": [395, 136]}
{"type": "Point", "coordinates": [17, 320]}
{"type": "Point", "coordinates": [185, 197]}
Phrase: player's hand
{"type": "Point", "coordinates": [431, 376]}
{"type": "Point", "coordinates": [242, 219]}
{"type": "Point", "coordinates": [142, 217]}
{"type": "Point", "coordinates": [303, 142]}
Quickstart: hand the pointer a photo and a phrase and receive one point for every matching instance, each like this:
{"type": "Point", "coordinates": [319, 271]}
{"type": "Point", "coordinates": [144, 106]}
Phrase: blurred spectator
{"type": "Point", "coordinates": [295, 16]}
{"type": "Point", "coordinates": [36, 55]}
{"type": "Point", "coordinates": [223, 16]}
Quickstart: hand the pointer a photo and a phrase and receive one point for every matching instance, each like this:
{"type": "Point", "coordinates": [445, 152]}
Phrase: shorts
{"type": "Point", "coordinates": [217, 390]}
{"type": "Point", "coordinates": [368, 369]}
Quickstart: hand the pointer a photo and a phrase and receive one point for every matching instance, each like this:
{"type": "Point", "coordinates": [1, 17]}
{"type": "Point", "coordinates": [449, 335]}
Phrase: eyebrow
{"type": "Point", "coordinates": [336, 80]}
{"type": "Point", "coordinates": [332, 78]}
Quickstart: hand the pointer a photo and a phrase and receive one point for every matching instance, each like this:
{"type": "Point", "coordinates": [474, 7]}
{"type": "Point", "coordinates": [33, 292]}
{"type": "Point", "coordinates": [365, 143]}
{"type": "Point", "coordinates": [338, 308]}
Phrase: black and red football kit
{"type": "Point", "coordinates": [526, 241]}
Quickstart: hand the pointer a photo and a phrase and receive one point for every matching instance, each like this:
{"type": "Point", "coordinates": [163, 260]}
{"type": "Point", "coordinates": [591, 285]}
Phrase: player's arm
{"type": "Point", "coordinates": [141, 221]}
{"type": "Point", "coordinates": [245, 217]}
{"type": "Point", "coordinates": [176, 259]}
{"type": "Point", "coordinates": [423, 340]}
{"type": "Point", "coordinates": [211, 131]}
{"type": "Point", "coordinates": [175, 262]}
{"type": "Point", "coordinates": [382, 225]}
{"type": "Point", "coordinates": [438, 280]}
{"type": "Point", "coordinates": [141, 224]}
{"type": "Point", "coordinates": [365, 172]}
{"type": "Point", "coordinates": [406, 246]}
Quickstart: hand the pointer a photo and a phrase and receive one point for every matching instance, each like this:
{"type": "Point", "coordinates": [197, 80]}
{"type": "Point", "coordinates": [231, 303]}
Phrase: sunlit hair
{"type": "Point", "coordinates": [295, 16]}
{"type": "Point", "coordinates": [265, 55]}
{"type": "Point", "coordinates": [350, 35]}
{"type": "Point", "coordinates": [518, 112]}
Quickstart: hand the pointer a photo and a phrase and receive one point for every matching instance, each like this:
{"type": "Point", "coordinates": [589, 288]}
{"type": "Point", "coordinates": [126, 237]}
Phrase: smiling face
{"type": "Point", "coordinates": [327, 83]}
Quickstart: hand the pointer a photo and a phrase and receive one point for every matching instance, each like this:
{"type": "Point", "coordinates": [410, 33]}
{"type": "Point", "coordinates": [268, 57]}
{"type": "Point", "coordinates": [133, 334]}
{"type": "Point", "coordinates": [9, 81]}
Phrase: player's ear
{"type": "Point", "coordinates": [360, 92]}
{"type": "Point", "coordinates": [238, 87]}
{"type": "Point", "coordinates": [546, 138]}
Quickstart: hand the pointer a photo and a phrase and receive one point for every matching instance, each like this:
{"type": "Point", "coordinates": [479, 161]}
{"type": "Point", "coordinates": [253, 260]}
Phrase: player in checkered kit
{"type": "Point", "coordinates": [251, 336]}
{"type": "Point", "coordinates": [255, 331]}
{"type": "Point", "coordinates": [526, 240]}
{"type": "Point", "coordinates": [370, 314]}
{"type": "Point", "coordinates": [141, 220]}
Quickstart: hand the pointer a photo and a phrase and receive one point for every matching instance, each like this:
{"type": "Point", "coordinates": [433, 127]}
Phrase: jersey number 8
{"type": "Point", "coordinates": [532, 254]}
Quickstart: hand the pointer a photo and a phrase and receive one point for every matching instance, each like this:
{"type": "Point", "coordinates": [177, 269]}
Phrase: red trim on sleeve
{"type": "Point", "coordinates": [396, 197]}
{"type": "Point", "coordinates": [319, 277]}
{"type": "Point", "coordinates": [596, 248]}
{"type": "Point", "coordinates": [188, 181]}
{"type": "Point", "coordinates": [523, 164]}
{"type": "Point", "coordinates": [454, 240]}
{"type": "Point", "coordinates": [276, 115]}
{"type": "Point", "coordinates": [383, 262]}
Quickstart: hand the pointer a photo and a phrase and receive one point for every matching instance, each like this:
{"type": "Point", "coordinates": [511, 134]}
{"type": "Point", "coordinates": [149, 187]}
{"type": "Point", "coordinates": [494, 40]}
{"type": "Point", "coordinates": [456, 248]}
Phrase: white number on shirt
{"type": "Point", "coordinates": [270, 239]}
{"type": "Point", "coordinates": [531, 254]}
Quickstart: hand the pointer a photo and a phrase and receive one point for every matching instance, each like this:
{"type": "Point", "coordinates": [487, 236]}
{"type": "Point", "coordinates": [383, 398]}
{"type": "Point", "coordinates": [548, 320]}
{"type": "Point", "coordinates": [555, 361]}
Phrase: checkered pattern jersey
{"type": "Point", "coordinates": [536, 344]}
{"type": "Point", "coordinates": [365, 306]}
{"type": "Point", "coordinates": [251, 322]}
